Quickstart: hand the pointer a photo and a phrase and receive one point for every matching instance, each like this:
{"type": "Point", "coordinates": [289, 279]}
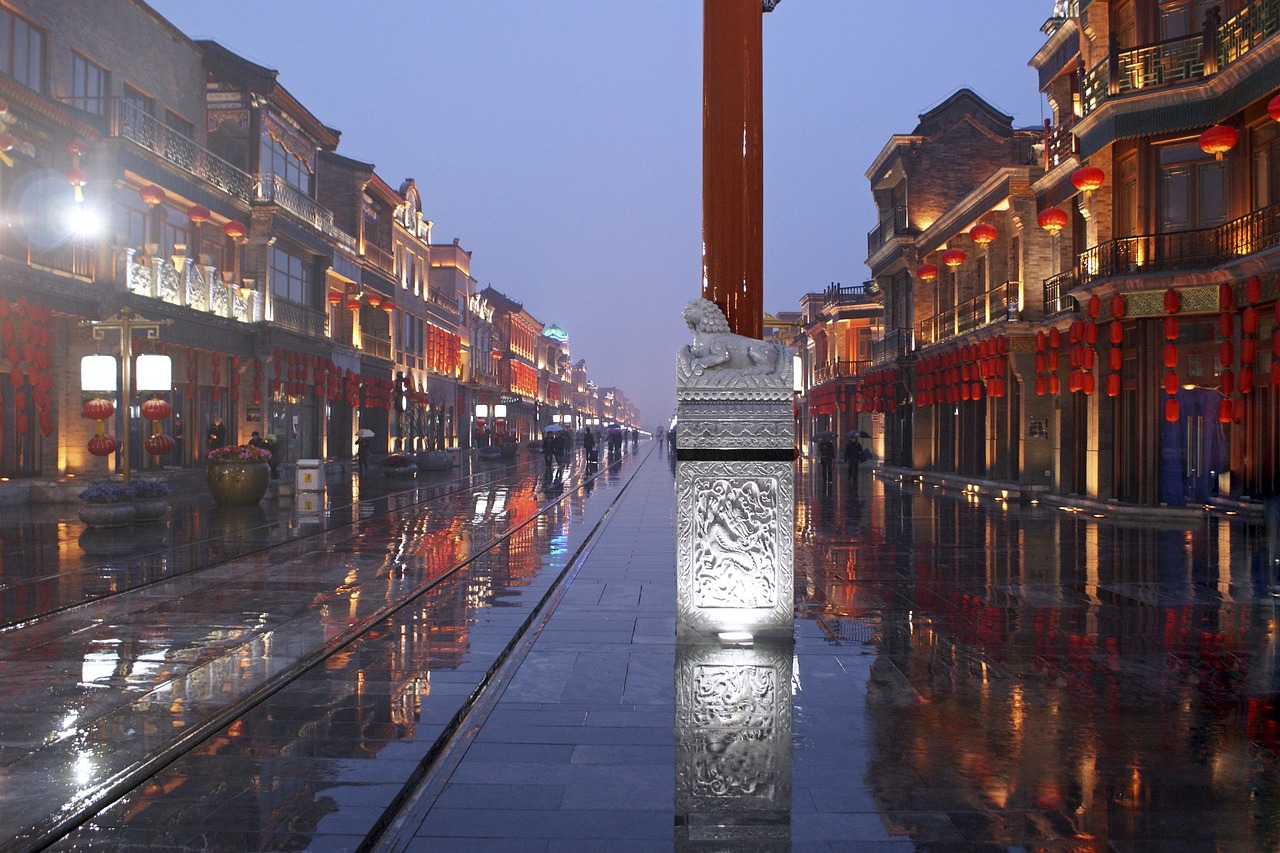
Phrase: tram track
{"type": "Point", "coordinates": [112, 787]}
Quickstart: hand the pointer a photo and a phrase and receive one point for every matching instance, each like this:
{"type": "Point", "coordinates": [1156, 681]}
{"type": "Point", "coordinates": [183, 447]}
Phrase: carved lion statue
{"type": "Point", "coordinates": [715, 347]}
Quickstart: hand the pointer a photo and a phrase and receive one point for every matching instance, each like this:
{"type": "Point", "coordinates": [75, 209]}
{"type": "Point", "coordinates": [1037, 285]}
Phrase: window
{"type": "Point", "coordinates": [1127, 197]}
{"type": "Point", "coordinates": [1180, 18]}
{"type": "Point", "coordinates": [1266, 166]}
{"type": "Point", "coordinates": [1192, 188]}
{"type": "Point", "coordinates": [291, 277]}
{"type": "Point", "coordinates": [276, 160]}
{"type": "Point", "coordinates": [22, 49]}
{"type": "Point", "coordinates": [179, 125]}
{"type": "Point", "coordinates": [138, 102]}
{"type": "Point", "coordinates": [88, 85]}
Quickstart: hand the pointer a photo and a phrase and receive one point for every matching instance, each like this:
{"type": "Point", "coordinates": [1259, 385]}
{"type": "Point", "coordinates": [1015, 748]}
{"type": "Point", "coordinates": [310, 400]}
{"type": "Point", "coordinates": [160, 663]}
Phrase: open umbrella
{"type": "Point", "coordinates": [364, 433]}
{"type": "Point", "coordinates": [825, 435]}
{"type": "Point", "coordinates": [553, 428]}
{"type": "Point", "coordinates": [857, 433]}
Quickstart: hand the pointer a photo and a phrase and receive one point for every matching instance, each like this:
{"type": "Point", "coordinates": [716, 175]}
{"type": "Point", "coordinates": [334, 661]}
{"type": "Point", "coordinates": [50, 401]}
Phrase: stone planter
{"type": "Point", "coordinates": [150, 509]}
{"type": "Point", "coordinates": [238, 483]}
{"type": "Point", "coordinates": [107, 515]}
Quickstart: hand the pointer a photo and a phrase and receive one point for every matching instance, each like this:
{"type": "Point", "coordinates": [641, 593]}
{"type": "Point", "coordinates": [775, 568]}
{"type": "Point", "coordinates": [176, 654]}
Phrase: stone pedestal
{"type": "Point", "coordinates": [735, 483]}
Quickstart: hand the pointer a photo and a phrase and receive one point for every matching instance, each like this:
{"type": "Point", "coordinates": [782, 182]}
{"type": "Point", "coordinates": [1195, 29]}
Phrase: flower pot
{"type": "Point", "coordinates": [238, 483]}
{"type": "Point", "coordinates": [150, 509]}
{"type": "Point", "coordinates": [107, 515]}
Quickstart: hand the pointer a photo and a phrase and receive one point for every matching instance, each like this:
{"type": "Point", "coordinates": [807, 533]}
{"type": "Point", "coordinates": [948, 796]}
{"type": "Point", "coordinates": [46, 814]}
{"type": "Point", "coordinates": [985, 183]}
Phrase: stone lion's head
{"type": "Point", "coordinates": [703, 315]}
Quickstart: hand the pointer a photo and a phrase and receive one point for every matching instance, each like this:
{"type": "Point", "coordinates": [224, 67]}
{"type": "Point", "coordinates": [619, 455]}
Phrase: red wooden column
{"type": "Point", "coordinates": [733, 161]}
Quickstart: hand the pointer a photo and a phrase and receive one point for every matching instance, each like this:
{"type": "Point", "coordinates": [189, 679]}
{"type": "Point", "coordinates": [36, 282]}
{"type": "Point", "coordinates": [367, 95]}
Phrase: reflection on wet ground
{"type": "Point", "coordinates": [967, 676]}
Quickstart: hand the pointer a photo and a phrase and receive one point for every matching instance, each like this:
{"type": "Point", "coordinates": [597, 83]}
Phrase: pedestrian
{"type": "Point", "coordinates": [256, 440]}
{"type": "Point", "coordinates": [217, 434]}
{"type": "Point", "coordinates": [273, 448]}
{"type": "Point", "coordinates": [827, 457]}
{"type": "Point", "coordinates": [853, 458]}
{"type": "Point", "coordinates": [362, 453]}
{"type": "Point", "coordinates": [589, 445]}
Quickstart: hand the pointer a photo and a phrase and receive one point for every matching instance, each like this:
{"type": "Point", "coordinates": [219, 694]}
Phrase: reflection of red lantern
{"type": "Point", "coordinates": [159, 444]}
{"type": "Point", "coordinates": [98, 409]}
{"type": "Point", "coordinates": [102, 445]}
{"type": "Point", "coordinates": [155, 410]}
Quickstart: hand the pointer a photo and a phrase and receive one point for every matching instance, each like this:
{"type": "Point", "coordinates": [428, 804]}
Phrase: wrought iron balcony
{"type": "Point", "coordinates": [896, 343]}
{"type": "Point", "coordinates": [380, 258]}
{"type": "Point", "coordinates": [997, 305]}
{"type": "Point", "coordinates": [892, 223]}
{"type": "Point", "coordinates": [1178, 60]}
{"type": "Point", "coordinates": [855, 294]}
{"type": "Point", "coordinates": [298, 318]}
{"type": "Point", "coordinates": [197, 286]}
{"type": "Point", "coordinates": [273, 189]}
{"type": "Point", "coordinates": [839, 370]}
{"type": "Point", "coordinates": [131, 123]}
{"type": "Point", "coordinates": [1056, 300]}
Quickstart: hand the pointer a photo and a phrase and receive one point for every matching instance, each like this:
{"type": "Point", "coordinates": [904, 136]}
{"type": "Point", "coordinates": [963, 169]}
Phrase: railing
{"type": "Point", "coordinates": [896, 343]}
{"type": "Point", "coordinates": [74, 258]}
{"type": "Point", "coordinates": [1178, 60]}
{"type": "Point", "coordinates": [380, 258]}
{"type": "Point", "coordinates": [276, 190]}
{"type": "Point", "coordinates": [840, 370]}
{"type": "Point", "coordinates": [891, 224]}
{"type": "Point", "coordinates": [1056, 300]}
{"type": "Point", "coordinates": [1060, 143]}
{"type": "Point", "coordinates": [298, 318]}
{"type": "Point", "coordinates": [856, 294]}
{"type": "Point", "coordinates": [199, 287]}
{"type": "Point", "coordinates": [130, 122]}
{"type": "Point", "coordinates": [375, 346]}
{"type": "Point", "coordinates": [995, 305]}
{"type": "Point", "coordinates": [448, 303]}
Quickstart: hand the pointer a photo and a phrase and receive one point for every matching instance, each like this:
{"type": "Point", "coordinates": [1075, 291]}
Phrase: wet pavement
{"type": "Point", "coordinates": [967, 675]}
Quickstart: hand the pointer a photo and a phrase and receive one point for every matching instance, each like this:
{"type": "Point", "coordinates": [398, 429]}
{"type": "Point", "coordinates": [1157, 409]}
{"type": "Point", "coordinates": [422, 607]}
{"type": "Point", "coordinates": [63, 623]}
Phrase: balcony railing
{"type": "Point", "coordinates": [199, 287]}
{"type": "Point", "coordinates": [896, 343]}
{"type": "Point", "coordinates": [1060, 143]}
{"type": "Point", "coordinates": [74, 258]}
{"type": "Point", "coordinates": [892, 224]}
{"type": "Point", "coordinates": [855, 294]}
{"type": "Point", "coordinates": [1177, 60]}
{"type": "Point", "coordinates": [380, 258]}
{"type": "Point", "coordinates": [375, 346]}
{"type": "Point", "coordinates": [298, 318]}
{"type": "Point", "coordinates": [130, 122]}
{"type": "Point", "coordinates": [1056, 300]}
{"type": "Point", "coordinates": [840, 370]}
{"type": "Point", "coordinates": [998, 304]}
{"type": "Point", "coordinates": [273, 189]}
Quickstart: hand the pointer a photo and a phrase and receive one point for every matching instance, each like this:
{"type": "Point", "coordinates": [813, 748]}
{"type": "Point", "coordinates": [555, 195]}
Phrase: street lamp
{"type": "Point", "coordinates": [98, 372]}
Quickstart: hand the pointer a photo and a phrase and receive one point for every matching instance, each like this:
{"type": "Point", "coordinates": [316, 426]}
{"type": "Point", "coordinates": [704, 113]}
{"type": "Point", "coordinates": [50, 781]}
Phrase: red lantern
{"type": "Point", "coordinates": [98, 409]}
{"type": "Point", "coordinates": [1171, 410]}
{"type": "Point", "coordinates": [1218, 140]}
{"type": "Point", "coordinates": [1171, 356]}
{"type": "Point", "coordinates": [1237, 410]}
{"type": "Point", "coordinates": [1273, 107]}
{"type": "Point", "coordinates": [1094, 307]}
{"type": "Point", "coordinates": [1116, 332]}
{"type": "Point", "coordinates": [1117, 305]}
{"type": "Point", "coordinates": [1055, 338]}
{"type": "Point", "coordinates": [152, 195]}
{"type": "Point", "coordinates": [1246, 380]}
{"type": "Point", "coordinates": [375, 300]}
{"type": "Point", "coordinates": [1053, 361]}
{"type": "Point", "coordinates": [1170, 328]}
{"type": "Point", "coordinates": [158, 444]}
{"type": "Point", "coordinates": [1115, 359]}
{"type": "Point", "coordinates": [953, 257]}
{"type": "Point", "coordinates": [235, 230]}
{"type": "Point", "coordinates": [335, 298]}
{"type": "Point", "coordinates": [1087, 179]}
{"type": "Point", "coordinates": [1041, 341]}
{"type": "Point", "coordinates": [6, 142]}
{"type": "Point", "coordinates": [1055, 385]}
{"type": "Point", "coordinates": [1249, 321]}
{"type": "Point", "coordinates": [1040, 386]}
{"type": "Point", "coordinates": [982, 233]}
{"type": "Point", "coordinates": [1226, 324]}
{"type": "Point", "coordinates": [1091, 333]}
{"type": "Point", "coordinates": [1089, 385]}
{"type": "Point", "coordinates": [1227, 383]}
{"type": "Point", "coordinates": [1172, 301]}
{"type": "Point", "coordinates": [353, 304]}
{"type": "Point", "coordinates": [1226, 353]}
{"type": "Point", "coordinates": [198, 213]}
{"type": "Point", "coordinates": [1248, 350]}
{"type": "Point", "coordinates": [155, 410]}
{"type": "Point", "coordinates": [1253, 288]}
{"type": "Point", "coordinates": [927, 272]}
{"type": "Point", "coordinates": [1224, 411]}
{"type": "Point", "coordinates": [1052, 220]}
{"type": "Point", "coordinates": [1113, 385]}
{"type": "Point", "coordinates": [1170, 383]}
{"type": "Point", "coordinates": [102, 445]}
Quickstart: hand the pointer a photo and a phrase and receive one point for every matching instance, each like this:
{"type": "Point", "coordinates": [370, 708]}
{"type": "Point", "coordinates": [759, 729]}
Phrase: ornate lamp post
{"type": "Point", "coordinates": [126, 323]}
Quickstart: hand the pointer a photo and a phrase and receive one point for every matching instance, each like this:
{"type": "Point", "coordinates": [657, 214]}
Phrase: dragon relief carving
{"type": "Point", "coordinates": [735, 544]}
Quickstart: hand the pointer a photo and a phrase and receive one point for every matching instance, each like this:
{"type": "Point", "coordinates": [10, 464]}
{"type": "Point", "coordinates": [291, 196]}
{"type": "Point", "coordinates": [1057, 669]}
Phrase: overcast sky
{"type": "Point", "coordinates": [560, 140]}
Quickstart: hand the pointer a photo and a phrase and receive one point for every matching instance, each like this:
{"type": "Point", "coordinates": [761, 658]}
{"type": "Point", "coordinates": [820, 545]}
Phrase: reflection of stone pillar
{"type": "Point", "coordinates": [733, 748]}
{"type": "Point", "coordinates": [735, 483]}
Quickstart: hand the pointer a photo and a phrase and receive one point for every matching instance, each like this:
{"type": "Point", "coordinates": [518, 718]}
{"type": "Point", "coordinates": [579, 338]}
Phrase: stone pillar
{"type": "Point", "coordinates": [733, 161]}
{"type": "Point", "coordinates": [735, 483]}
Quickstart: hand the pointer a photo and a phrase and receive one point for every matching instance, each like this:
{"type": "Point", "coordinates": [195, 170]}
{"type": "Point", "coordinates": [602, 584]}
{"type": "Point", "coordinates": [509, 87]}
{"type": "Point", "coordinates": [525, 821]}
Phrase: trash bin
{"type": "Point", "coordinates": [310, 476]}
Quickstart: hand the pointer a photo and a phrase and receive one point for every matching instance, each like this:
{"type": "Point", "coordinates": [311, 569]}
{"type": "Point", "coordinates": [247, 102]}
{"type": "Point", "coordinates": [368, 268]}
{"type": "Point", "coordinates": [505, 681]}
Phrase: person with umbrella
{"type": "Point", "coordinates": [550, 440]}
{"type": "Point", "coordinates": [362, 448]}
{"type": "Point", "coordinates": [826, 454]}
{"type": "Point", "coordinates": [853, 455]}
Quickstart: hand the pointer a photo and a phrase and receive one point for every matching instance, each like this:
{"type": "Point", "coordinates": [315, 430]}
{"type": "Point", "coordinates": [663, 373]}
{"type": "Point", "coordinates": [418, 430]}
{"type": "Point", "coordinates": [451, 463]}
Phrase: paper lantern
{"type": "Point", "coordinates": [1218, 140]}
{"type": "Point", "coordinates": [1224, 411]}
{"type": "Point", "coordinates": [1113, 385]}
{"type": "Point", "coordinates": [97, 409]}
{"type": "Point", "coordinates": [152, 195]}
{"type": "Point", "coordinates": [1116, 332]}
{"type": "Point", "coordinates": [1170, 383]}
{"type": "Point", "coordinates": [374, 300]}
{"type": "Point", "coordinates": [1042, 341]}
{"type": "Point", "coordinates": [927, 272]}
{"type": "Point", "coordinates": [1226, 353]}
{"type": "Point", "coordinates": [1117, 305]}
{"type": "Point", "coordinates": [102, 445]}
{"type": "Point", "coordinates": [1090, 385]}
{"type": "Point", "coordinates": [235, 230]}
{"type": "Point", "coordinates": [1248, 350]}
{"type": "Point", "coordinates": [1115, 359]}
{"type": "Point", "coordinates": [1087, 179]}
{"type": "Point", "coordinates": [1226, 324]}
{"type": "Point", "coordinates": [155, 410]}
{"type": "Point", "coordinates": [1253, 288]}
{"type": "Point", "coordinates": [1052, 219]}
{"type": "Point", "coordinates": [983, 233]}
{"type": "Point", "coordinates": [1249, 320]}
{"type": "Point", "coordinates": [1227, 383]}
{"type": "Point", "coordinates": [1055, 385]}
{"type": "Point", "coordinates": [158, 444]}
{"type": "Point", "coordinates": [1172, 301]}
{"type": "Point", "coordinates": [1171, 410]}
{"type": "Point", "coordinates": [954, 258]}
{"type": "Point", "coordinates": [1245, 384]}
{"type": "Point", "coordinates": [1093, 307]}
{"type": "Point", "coordinates": [1170, 328]}
{"type": "Point", "coordinates": [1171, 355]}
{"type": "Point", "coordinates": [1040, 386]}
{"type": "Point", "coordinates": [1055, 338]}
{"type": "Point", "coordinates": [353, 304]}
{"type": "Point", "coordinates": [198, 213]}
{"type": "Point", "coordinates": [335, 298]}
